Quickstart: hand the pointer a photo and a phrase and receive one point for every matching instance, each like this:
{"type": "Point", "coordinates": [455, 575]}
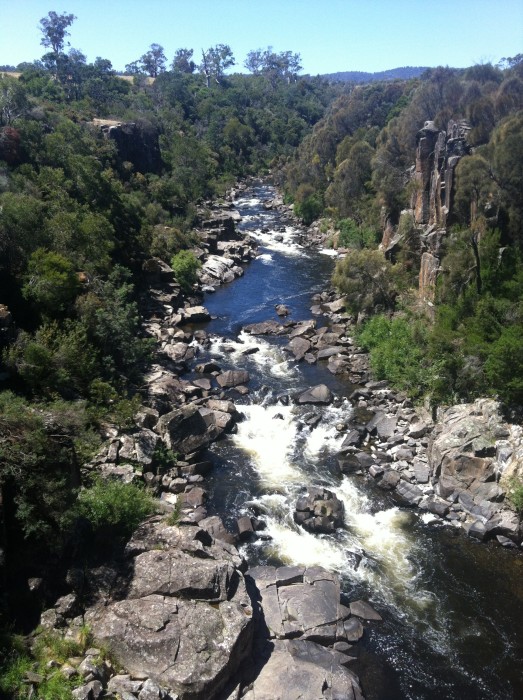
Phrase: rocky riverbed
{"type": "Point", "coordinates": [183, 615]}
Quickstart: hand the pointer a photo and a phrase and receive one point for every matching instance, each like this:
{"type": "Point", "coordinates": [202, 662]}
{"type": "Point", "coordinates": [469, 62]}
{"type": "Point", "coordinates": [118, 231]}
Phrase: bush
{"type": "Point", "coordinates": [114, 507]}
{"type": "Point", "coordinates": [353, 236]}
{"type": "Point", "coordinates": [397, 349]}
{"type": "Point", "coordinates": [185, 265]}
{"type": "Point", "coordinates": [515, 493]}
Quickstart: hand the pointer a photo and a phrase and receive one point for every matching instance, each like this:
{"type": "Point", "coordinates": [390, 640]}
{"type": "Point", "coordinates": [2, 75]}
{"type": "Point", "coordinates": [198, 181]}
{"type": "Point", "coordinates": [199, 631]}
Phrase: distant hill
{"type": "Point", "coordinates": [355, 76]}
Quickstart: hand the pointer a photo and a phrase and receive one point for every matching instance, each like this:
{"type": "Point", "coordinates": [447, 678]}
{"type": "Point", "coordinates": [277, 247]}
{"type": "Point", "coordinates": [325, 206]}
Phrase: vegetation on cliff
{"type": "Point", "coordinates": [357, 168]}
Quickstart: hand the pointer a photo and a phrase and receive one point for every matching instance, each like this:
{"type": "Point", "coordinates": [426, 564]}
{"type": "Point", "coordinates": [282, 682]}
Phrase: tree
{"type": "Point", "coordinates": [368, 281]}
{"type": "Point", "coordinates": [52, 282]}
{"type": "Point", "coordinates": [13, 100]}
{"type": "Point", "coordinates": [54, 30]}
{"type": "Point", "coordinates": [182, 62]}
{"type": "Point", "coordinates": [153, 62]}
{"type": "Point", "coordinates": [274, 66]}
{"type": "Point", "coordinates": [215, 62]}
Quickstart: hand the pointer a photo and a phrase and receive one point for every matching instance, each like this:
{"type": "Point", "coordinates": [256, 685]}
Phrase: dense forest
{"type": "Point", "coordinates": [78, 218]}
{"type": "Point", "coordinates": [356, 171]}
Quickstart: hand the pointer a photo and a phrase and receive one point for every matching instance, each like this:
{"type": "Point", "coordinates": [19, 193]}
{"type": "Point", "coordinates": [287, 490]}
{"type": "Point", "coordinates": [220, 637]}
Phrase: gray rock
{"type": "Point", "coordinates": [299, 347]}
{"type": "Point", "coordinates": [187, 621]}
{"type": "Point", "coordinates": [477, 530]}
{"type": "Point", "coordinates": [303, 670]}
{"type": "Point", "coordinates": [409, 493]}
{"type": "Point", "coordinates": [362, 609]}
{"type": "Point", "coordinates": [320, 394]}
{"type": "Point", "coordinates": [319, 511]}
{"type": "Point", "coordinates": [233, 378]}
{"type": "Point", "coordinates": [389, 480]}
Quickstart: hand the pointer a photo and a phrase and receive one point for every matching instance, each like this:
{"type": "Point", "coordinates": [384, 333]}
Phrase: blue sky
{"type": "Point", "coordinates": [330, 35]}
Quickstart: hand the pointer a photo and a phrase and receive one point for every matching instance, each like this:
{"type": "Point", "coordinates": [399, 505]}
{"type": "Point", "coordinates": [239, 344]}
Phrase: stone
{"type": "Point", "coordinates": [362, 609]}
{"type": "Point", "coordinates": [477, 530]}
{"type": "Point", "coordinates": [195, 314]}
{"type": "Point", "coordinates": [299, 347]}
{"type": "Point", "coordinates": [245, 528]}
{"type": "Point", "coordinates": [303, 670]}
{"type": "Point", "coordinates": [215, 527]}
{"type": "Point", "coordinates": [353, 629]}
{"type": "Point", "coordinates": [282, 310]}
{"type": "Point", "coordinates": [89, 691]}
{"type": "Point", "coordinates": [389, 480]}
{"type": "Point", "coordinates": [265, 328]}
{"type": "Point", "coordinates": [320, 394]}
{"type": "Point", "coordinates": [319, 511]}
{"type": "Point", "coordinates": [409, 493]}
{"type": "Point", "coordinates": [233, 378]}
{"type": "Point", "coordinates": [187, 620]}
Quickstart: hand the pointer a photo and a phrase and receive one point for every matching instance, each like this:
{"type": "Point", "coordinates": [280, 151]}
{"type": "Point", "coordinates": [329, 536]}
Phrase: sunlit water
{"type": "Point", "coordinates": [452, 608]}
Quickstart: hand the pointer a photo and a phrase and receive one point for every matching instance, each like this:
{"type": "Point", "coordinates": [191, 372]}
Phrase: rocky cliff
{"type": "Point", "coordinates": [136, 143]}
{"type": "Point", "coordinates": [437, 154]}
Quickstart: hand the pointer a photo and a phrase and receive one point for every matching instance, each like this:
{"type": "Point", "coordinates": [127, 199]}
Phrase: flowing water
{"type": "Point", "coordinates": [452, 607]}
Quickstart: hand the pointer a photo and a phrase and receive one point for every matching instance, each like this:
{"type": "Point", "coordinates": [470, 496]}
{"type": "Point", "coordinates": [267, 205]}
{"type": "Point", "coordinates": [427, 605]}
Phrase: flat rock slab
{"type": "Point", "coordinates": [265, 328]}
{"type": "Point", "coordinates": [362, 609]}
{"type": "Point", "coordinates": [187, 620]}
{"type": "Point", "coordinates": [302, 670]}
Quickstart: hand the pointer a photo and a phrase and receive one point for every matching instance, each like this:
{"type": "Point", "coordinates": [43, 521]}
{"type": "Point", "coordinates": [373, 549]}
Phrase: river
{"type": "Point", "coordinates": [452, 607]}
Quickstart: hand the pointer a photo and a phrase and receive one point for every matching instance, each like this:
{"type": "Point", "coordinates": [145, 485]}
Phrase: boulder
{"type": "Point", "coordinates": [187, 620]}
{"type": "Point", "coordinates": [265, 328]}
{"type": "Point", "coordinates": [232, 378]}
{"type": "Point", "coordinates": [303, 670]}
{"type": "Point", "coordinates": [190, 428]}
{"type": "Point", "coordinates": [319, 394]}
{"type": "Point", "coordinates": [319, 511]}
{"type": "Point", "coordinates": [299, 347]}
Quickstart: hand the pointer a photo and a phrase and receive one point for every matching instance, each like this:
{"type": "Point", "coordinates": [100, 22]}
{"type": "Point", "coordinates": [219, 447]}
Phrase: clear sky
{"type": "Point", "coordinates": [330, 35]}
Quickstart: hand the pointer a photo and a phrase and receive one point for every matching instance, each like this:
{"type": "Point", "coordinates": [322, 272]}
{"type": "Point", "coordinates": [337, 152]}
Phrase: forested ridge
{"type": "Point", "coordinates": [80, 212]}
{"type": "Point", "coordinates": [391, 168]}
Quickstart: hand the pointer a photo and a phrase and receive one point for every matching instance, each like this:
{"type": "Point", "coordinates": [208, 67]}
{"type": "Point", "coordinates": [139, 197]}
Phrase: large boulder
{"type": "Point", "coordinates": [187, 620]}
{"type": "Point", "coordinates": [306, 631]}
{"type": "Point", "coordinates": [319, 510]}
{"type": "Point", "coordinates": [191, 428]}
{"type": "Point", "coordinates": [463, 446]}
{"type": "Point", "coordinates": [319, 394]}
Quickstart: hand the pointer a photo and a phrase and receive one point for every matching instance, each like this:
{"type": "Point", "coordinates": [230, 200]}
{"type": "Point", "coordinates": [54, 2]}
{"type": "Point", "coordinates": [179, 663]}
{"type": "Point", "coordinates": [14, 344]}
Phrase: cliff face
{"type": "Point", "coordinates": [437, 155]}
{"type": "Point", "coordinates": [136, 143]}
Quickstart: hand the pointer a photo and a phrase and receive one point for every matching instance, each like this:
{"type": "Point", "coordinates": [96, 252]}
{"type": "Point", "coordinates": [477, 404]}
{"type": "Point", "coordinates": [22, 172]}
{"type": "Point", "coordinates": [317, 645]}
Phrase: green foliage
{"type": "Point", "coordinates": [38, 464]}
{"type": "Point", "coordinates": [515, 493]}
{"type": "Point", "coordinates": [369, 281]}
{"type": "Point", "coordinates": [397, 352]}
{"type": "Point", "coordinates": [18, 660]}
{"type": "Point", "coordinates": [185, 265]}
{"type": "Point", "coordinates": [504, 365]}
{"type": "Point", "coordinates": [51, 282]}
{"type": "Point", "coordinates": [353, 236]}
{"type": "Point", "coordinates": [113, 507]}
{"type": "Point", "coordinates": [174, 517]}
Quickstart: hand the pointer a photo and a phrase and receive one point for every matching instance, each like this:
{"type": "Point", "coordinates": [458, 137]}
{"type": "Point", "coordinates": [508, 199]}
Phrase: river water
{"type": "Point", "coordinates": [452, 607]}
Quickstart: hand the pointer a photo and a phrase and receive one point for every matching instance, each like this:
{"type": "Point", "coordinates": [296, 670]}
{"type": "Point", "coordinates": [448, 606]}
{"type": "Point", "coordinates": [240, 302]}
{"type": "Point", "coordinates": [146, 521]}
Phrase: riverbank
{"type": "Point", "coordinates": [189, 410]}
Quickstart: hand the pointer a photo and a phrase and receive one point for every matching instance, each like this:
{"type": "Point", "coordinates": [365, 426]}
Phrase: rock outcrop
{"type": "Point", "coordinates": [186, 619]}
{"type": "Point", "coordinates": [304, 636]}
{"type": "Point", "coordinates": [136, 143]}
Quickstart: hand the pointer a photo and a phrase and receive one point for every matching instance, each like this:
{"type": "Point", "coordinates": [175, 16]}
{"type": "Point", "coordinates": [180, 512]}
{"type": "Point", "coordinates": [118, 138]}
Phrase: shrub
{"type": "Point", "coordinates": [353, 236]}
{"type": "Point", "coordinates": [185, 265]}
{"type": "Point", "coordinates": [112, 506]}
{"type": "Point", "coordinates": [515, 493]}
{"type": "Point", "coordinates": [397, 348]}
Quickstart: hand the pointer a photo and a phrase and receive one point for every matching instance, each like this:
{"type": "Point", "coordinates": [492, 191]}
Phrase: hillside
{"type": "Point", "coordinates": [404, 73]}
